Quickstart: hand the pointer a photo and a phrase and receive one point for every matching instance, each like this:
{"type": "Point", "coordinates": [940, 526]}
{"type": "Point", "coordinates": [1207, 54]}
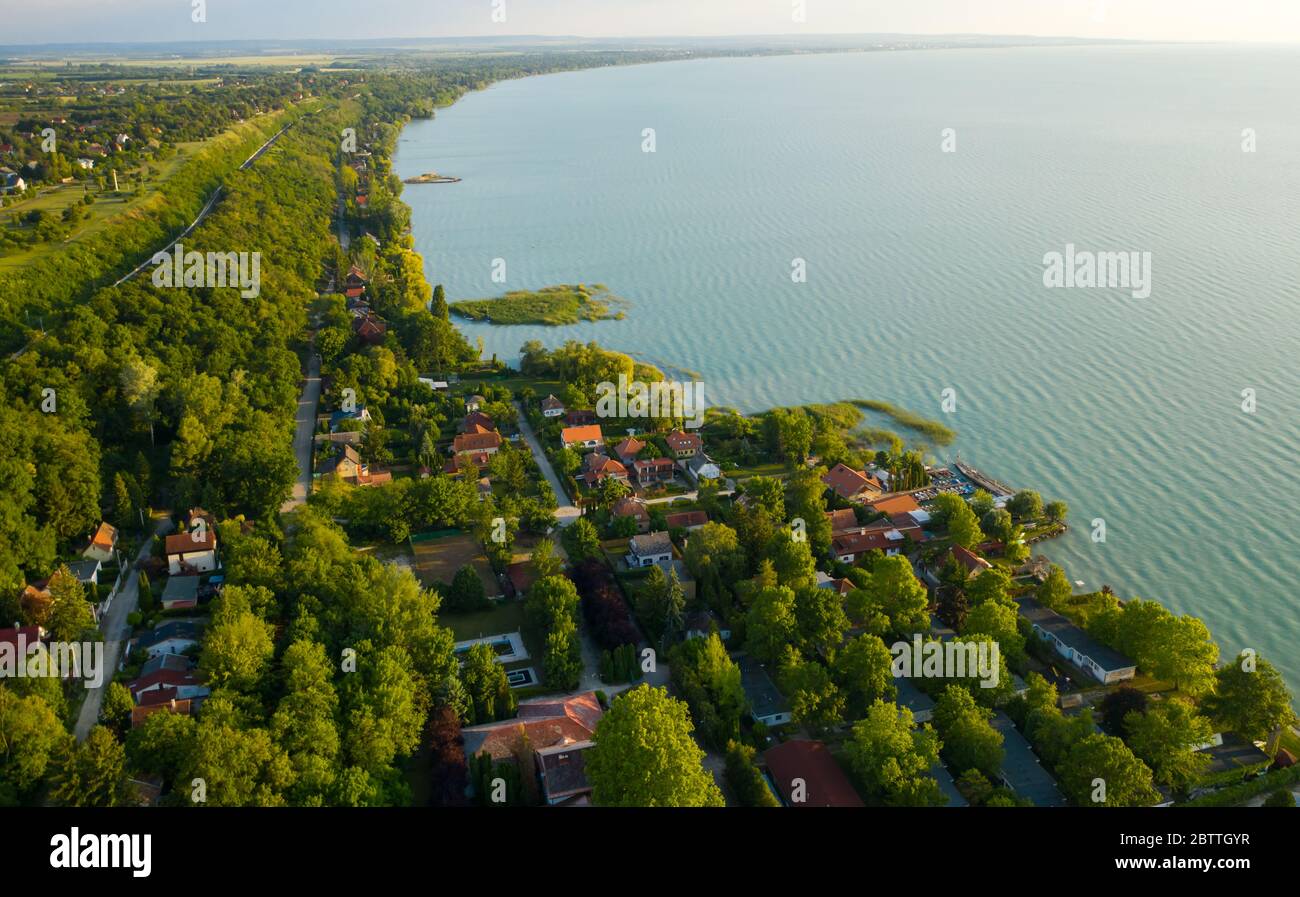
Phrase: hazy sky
{"type": "Point", "coordinates": [47, 21]}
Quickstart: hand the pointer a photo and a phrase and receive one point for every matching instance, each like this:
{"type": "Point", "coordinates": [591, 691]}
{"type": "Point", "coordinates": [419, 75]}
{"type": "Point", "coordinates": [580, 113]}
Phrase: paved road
{"type": "Point", "coordinates": [115, 631]}
{"type": "Point", "coordinates": [305, 435]}
{"type": "Point", "coordinates": [565, 513]}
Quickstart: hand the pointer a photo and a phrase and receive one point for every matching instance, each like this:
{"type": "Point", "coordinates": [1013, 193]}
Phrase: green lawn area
{"type": "Point", "coordinates": [776, 469]}
{"type": "Point", "coordinates": [505, 616]}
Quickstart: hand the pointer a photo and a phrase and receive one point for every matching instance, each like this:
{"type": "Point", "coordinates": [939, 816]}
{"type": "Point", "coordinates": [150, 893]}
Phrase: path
{"type": "Point", "coordinates": [566, 513]}
{"type": "Point", "coordinates": [304, 436]}
{"type": "Point", "coordinates": [115, 631]}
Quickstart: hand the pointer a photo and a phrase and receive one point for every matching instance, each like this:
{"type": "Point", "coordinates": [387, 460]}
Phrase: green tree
{"type": "Point", "coordinates": [863, 670]}
{"type": "Point", "coordinates": [1250, 698]}
{"type": "Point", "coordinates": [1101, 771]}
{"type": "Point", "coordinates": [892, 759]}
{"type": "Point", "coordinates": [90, 774]}
{"type": "Point", "coordinates": [70, 613]}
{"type": "Point", "coordinates": [969, 739]}
{"type": "Point", "coordinates": [116, 709]}
{"type": "Point", "coordinates": [1166, 738]}
{"type": "Point", "coordinates": [644, 755]}
{"type": "Point", "coordinates": [581, 541]}
{"type": "Point", "coordinates": [466, 592]}
{"type": "Point", "coordinates": [745, 779]}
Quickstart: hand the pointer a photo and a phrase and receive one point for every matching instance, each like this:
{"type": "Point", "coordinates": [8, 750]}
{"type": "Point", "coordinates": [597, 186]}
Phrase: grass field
{"type": "Point", "coordinates": [503, 616]}
{"type": "Point", "coordinates": [438, 559]}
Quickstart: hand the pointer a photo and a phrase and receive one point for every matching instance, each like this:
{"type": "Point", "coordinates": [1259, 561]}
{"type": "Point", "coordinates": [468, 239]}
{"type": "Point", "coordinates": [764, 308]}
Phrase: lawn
{"type": "Point", "coordinates": [504, 616]}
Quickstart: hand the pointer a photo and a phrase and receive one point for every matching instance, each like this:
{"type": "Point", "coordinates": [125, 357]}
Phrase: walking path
{"type": "Point", "coordinates": [116, 631]}
{"type": "Point", "coordinates": [305, 433]}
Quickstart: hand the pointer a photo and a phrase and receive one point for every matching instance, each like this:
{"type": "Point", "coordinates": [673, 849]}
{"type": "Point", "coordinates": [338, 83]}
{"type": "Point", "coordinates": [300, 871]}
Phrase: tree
{"type": "Point", "coordinates": [581, 541]}
{"type": "Point", "coordinates": [1055, 590]}
{"type": "Point", "coordinates": [892, 759]}
{"type": "Point", "coordinates": [31, 736]}
{"type": "Point", "coordinates": [964, 528]}
{"type": "Point", "coordinates": [997, 525]}
{"type": "Point", "coordinates": [771, 624]}
{"type": "Point", "coordinates": [1281, 798]}
{"type": "Point", "coordinates": [237, 645]}
{"type": "Point", "coordinates": [1056, 511]}
{"type": "Point", "coordinates": [466, 592]}
{"type": "Point", "coordinates": [116, 709]}
{"type": "Point", "coordinates": [815, 701]}
{"type": "Point", "coordinates": [303, 723]}
{"type": "Point", "coordinates": [161, 745]}
{"type": "Point", "coordinates": [894, 592]}
{"type": "Point", "coordinates": [969, 739]}
{"type": "Point", "coordinates": [1166, 738]}
{"type": "Point", "coordinates": [240, 766]}
{"type": "Point", "coordinates": [1250, 698]}
{"type": "Point", "coordinates": [644, 755]}
{"type": "Point", "coordinates": [863, 669]}
{"type": "Point", "coordinates": [485, 681]}
{"type": "Point", "coordinates": [981, 503]}
{"type": "Point", "coordinates": [1118, 704]}
{"type": "Point", "coordinates": [545, 562]}
{"type": "Point", "coordinates": [90, 774]}
{"type": "Point", "coordinates": [821, 619]}
{"type": "Point", "coordinates": [999, 623]}
{"type": "Point", "coordinates": [1025, 504]}
{"type": "Point", "coordinates": [70, 613]}
{"type": "Point", "coordinates": [709, 681]}
{"type": "Point", "coordinates": [745, 779]}
{"type": "Point", "coordinates": [1101, 771]}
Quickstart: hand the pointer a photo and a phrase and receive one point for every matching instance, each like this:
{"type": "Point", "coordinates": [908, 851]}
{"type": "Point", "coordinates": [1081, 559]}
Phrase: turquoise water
{"type": "Point", "coordinates": [925, 270]}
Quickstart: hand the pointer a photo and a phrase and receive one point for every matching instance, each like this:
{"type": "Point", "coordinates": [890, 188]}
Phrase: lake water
{"type": "Point", "coordinates": [925, 270]}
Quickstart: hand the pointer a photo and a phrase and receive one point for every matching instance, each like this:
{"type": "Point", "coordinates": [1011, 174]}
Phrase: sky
{"type": "Point", "coordinates": [84, 21]}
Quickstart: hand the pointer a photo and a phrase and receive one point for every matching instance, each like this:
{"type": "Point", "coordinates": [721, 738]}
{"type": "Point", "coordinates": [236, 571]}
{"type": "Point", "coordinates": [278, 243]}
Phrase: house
{"type": "Point", "coordinates": [175, 662]}
{"type": "Point", "coordinates": [806, 775]}
{"type": "Point", "coordinates": [86, 570]}
{"type": "Point", "coordinates": [474, 403]}
{"type": "Point", "coordinates": [628, 449]}
{"type": "Point", "coordinates": [684, 445]}
{"type": "Point", "coordinates": [543, 724]}
{"type": "Point", "coordinates": [520, 577]}
{"type": "Point", "coordinates": [1104, 664]}
{"type": "Point", "coordinates": [702, 624]}
{"type": "Point", "coordinates": [180, 592]}
{"type": "Point", "coordinates": [635, 508]}
{"type": "Point", "coordinates": [11, 181]}
{"type": "Point", "coordinates": [910, 696]}
{"type": "Point", "coordinates": [655, 470]}
{"type": "Point", "coordinates": [102, 543]}
{"type": "Point", "coordinates": [369, 328]}
{"type": "Point", "coordinates": [940, 774]}
{"type": "Point", "coordinates": [86, 164]}
{"type": "Point", "coordinates": [478, 442]}
{"type": "Point", "coordinates": [192, 552]}
{"type": "Point", "coordinates": [889, 539]}
{"type": "Point", "coordinates": [838, 586]}
{"type": "Point", "coordinates": [899, 505]}
{"type": "Point", "coordinates": [584, 437]}
{"type": "Point", "coordinates": [552, 407]}
{"type": "Point", "coordinates": [1229, 752]}
{"type": "Point", "coordinates": [476, 422]}
{"type": "Point", "coordinates": [852, 485]}
{"type": "Point", "coordinates": [767, 705]}
{"type": "Point", "coordinates": [701, 467]}
{"type": "Point", "coordinates": [172, 637]}
{"type": "Point", "coordinates": [458, 464]}
{"type": "Point", "coordinates": [356, 277]}
{"type": "Point", "coordinates": [687, 520]}
{"type": "Point", "coordinates": [17, 644]}
{"type": "Point", "coordinates": [171, 704]}
{"type": "Point", "coordinates": [184, 683]}
{"type": "Point", "coordinates": [1021, 771]}
{"type": "Point", "coordinates": [972, 563]}
{"type": "Point", "coordinates": [649, 549]}
{"type": "Point", "coordinates": [579, 418]}
{"type": "Point", "coordinates": [598, 467]}
{"type": "Point", "coordinates": [843, 521]}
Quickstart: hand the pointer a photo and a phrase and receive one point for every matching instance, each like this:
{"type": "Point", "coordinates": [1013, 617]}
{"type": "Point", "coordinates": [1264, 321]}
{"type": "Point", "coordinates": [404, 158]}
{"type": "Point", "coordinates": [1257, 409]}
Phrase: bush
{"type": "Point", "coordinates": [744, 778]}
{"type": "Point", "coordinates": [603, 606]}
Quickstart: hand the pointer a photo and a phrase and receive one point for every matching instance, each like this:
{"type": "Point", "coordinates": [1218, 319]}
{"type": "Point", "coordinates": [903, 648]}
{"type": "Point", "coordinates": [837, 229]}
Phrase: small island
{"type": "Point", "coordinates": [553, 306]}
{"type": "Point", "coordinates": [431, 177]}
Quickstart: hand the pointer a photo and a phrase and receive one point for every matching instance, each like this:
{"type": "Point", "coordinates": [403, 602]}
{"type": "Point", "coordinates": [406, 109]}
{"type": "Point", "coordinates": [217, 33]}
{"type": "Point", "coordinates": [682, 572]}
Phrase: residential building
{"type": "Point", "coordinates": [102, 543]}
{"type": "Point", "coordinates": [1104, 664]}
{"type": "Point", "coordinates": [684, 445]}
{"type": "Point", "coordinates": [486, 443]}
{"type": "Point", "coordinates": [583, 437]}
{"type": "Point", "coordinates": [552, 407]}
{"type": "Point", "coordinates": [687, 520]}
{"type": "Point", "coordinates": [172, 637]}
{"type": "Point", "coordinates": [628, 449]}
{"type": "Point", "coordinates": [630, 506]}
{"type": "Point", "coordinates": [1021, 771]}
{"type": "Point", "coordinates": [971, 562]}
{"type": "Point", "coordinates": [181, 592]}
{"type": "Point", "coordinates": [852, 485]}
{"type": "Point", "coordinates": [192, 552]}
{"type": "Point", "coordinates": [701, 467]}
{"type": "Point", "coordinates": [598, 467]}
{"type": "Point", "coordinates": [649, 549]}
{"type": "Point", "coordinates": [889, 539]}
{"type": "Point", "coordinates": [767, 705]}
{"type": "Point", "coordinates": [806, 775]}
{"type": "Point", "coordinates": [653, 471]}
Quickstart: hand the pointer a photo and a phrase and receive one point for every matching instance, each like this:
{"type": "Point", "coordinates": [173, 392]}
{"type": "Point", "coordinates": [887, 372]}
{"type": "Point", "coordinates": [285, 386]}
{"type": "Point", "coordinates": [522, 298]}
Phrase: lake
{"type": "Point", "coordinates": [925, 270]}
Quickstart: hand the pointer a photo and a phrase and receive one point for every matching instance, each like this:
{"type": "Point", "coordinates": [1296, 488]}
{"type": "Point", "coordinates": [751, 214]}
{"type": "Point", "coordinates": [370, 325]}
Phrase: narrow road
{"type": "Point", "coordinates": [115, 632]}
{"type": "Point", "coordinates": [566, 513]}
{"type": "Point", "coordinates": [305, 433]}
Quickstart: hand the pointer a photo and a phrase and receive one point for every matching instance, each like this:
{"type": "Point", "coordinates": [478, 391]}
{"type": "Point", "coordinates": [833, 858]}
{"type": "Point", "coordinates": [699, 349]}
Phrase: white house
{"type": "Point", "coordinates": [701, 467]}
{"type": "Point", "coordinates": [649, 549]}
{"type": "Point", "coordinates": [552, 407]}
{"type": "Point", "coordinates": [192, 552]}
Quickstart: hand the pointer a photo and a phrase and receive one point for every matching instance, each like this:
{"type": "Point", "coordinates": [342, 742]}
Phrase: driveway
{"type": "Point", "coordinates": [566, 513]}
{"type": "Point", "coordinates": [305, 434]}
{"type": "Point", "coordinates": [115, 631]}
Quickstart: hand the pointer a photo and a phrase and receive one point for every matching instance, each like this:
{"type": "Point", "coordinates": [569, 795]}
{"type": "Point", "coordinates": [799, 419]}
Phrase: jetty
{"type": "Point", "coordinates": [984, 481]}
{"type": "Point", "coordinates": [431, 177]}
